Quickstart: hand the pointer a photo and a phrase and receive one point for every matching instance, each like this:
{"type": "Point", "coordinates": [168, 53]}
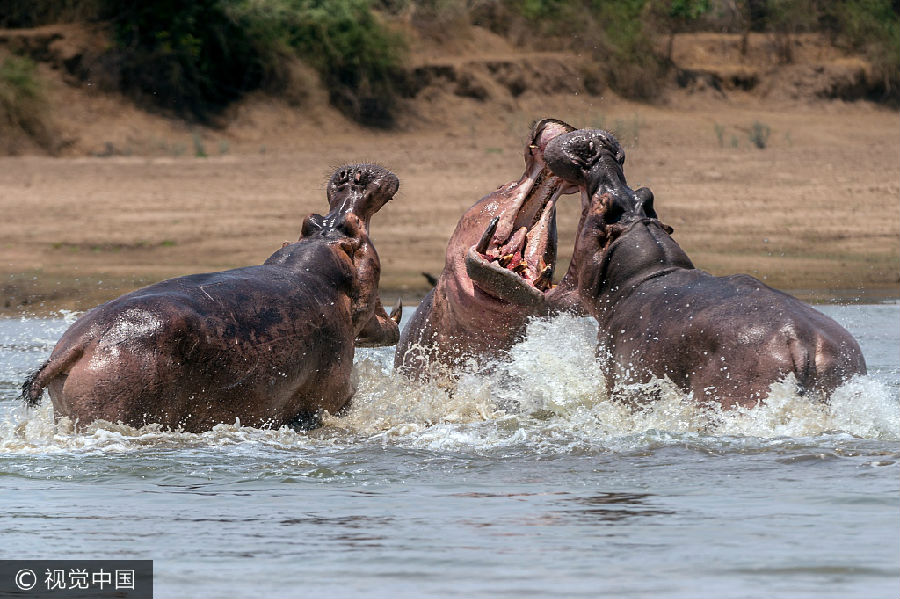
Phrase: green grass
{"type": "Point", "coordinates": [720, 134]}
{"type": "Point", "coordinates": [759, 134]}
{"type": "Point", "coordinates": [199, 146]}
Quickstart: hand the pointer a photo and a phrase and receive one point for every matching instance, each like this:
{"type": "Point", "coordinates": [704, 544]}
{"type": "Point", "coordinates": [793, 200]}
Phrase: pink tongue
{"type": "Point", "coordinates": [515, 242]}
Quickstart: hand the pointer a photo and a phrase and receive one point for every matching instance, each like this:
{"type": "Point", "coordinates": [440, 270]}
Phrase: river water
{"type": "Point", "coordinates": [523, 482]}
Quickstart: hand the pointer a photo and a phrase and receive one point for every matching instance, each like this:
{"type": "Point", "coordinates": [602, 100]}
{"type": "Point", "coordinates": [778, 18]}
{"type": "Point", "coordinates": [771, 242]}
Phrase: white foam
{"type": "Point", "coordinates": [548, 396]}
{"type": "Point", "coordinates": [550, 392]}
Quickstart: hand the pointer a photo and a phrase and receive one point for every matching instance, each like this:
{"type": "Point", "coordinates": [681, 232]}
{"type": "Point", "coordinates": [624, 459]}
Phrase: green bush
{"type": "Point", "coordinates": [759, 134]}
{"type": "Point", "coordinates": [634, 68]}
{"type": "Point", "coordinates": [357, 57]}
{"type": "Point", "coordinates": [615, 31]}
{"type": "Point", "coordinates": [188, 57]}
{"type": "Point", "coordinates": [195, 57]}
{"type": "Point", "coordinates": [33, 13]}
{"type": "Point", "coordinates": [873, 27]}
{"type": "Point", "coordinates": [23, 106]}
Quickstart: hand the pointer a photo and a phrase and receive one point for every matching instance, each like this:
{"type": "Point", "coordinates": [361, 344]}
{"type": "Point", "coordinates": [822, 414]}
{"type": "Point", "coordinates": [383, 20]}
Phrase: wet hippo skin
{"type": "Point", "coordinates": [723, 339]}
{"type": "Point", "coordinates": [498, 272]}
{"type": "Point", "coordinates": [271, 344]}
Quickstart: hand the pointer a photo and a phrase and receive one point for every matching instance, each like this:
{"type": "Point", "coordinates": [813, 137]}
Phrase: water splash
{"type": "Point", "coordinates": [550, 395]}
{"type": "Point", "coordinates": [547, 396]}
{"type": "Point", "coordinates": [33, 431]}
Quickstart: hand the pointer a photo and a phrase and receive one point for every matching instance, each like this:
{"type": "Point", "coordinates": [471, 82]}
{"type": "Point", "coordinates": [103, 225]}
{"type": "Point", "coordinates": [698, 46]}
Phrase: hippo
{"type": "Point", "coordinates": [498, 272]}
{"type": "Point", "coordinates": [268, 345]}
{"type": "Point", "coordinates": [722, 339]}
{"type": "Point", "coordinates": [349, 191]}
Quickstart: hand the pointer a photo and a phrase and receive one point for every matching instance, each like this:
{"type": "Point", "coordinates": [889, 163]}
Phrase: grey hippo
{"type": "Point", "coordinates": [723, 339]}
{"type": "Point", "coordinates": [498, 272]}
{"type": "Point", "coordinates": [271, 344]}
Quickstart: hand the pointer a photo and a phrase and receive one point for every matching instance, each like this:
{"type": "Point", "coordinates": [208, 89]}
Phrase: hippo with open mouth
{"type": "Point", "coordinates": [498, 272]}
{"type": "Point", "coordinates": [723, 339]}
{"type": "Point", "coordinates": [362, 190]}
{"type": "Point", "coordinates": [270, 345]}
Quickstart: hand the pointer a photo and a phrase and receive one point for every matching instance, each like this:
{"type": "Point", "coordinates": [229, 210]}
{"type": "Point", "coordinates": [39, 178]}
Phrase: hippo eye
{"type": "Point", "coordinates": [614, 212]}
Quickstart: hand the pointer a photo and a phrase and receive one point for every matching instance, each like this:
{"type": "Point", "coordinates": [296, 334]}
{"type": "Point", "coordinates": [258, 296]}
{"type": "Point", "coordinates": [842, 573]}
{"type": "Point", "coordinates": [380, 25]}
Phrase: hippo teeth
{"type": "Point", "coordinates": [515, 243]}
{"type": "Point", "coordinates": [521, 256]}
{"type": "Point", "coordinates": [501, 283]}
{"type": "Point", "coordinates": [482, 245]}
{"type": "Point", "coordinates": [517, 250]}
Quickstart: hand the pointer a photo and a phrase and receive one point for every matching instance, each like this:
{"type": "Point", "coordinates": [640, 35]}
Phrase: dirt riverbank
{"type": "Point", "coordinates": [815, 212]}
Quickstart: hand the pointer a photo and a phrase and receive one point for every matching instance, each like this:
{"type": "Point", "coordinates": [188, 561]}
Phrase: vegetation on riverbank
{"type": "Point", "coordinates": [23, 106]}
{"type": "Point", "coordinates": [194, 58]}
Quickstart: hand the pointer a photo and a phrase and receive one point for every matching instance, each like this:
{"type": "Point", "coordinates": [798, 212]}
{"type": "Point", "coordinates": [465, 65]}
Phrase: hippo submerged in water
{"type": "Point", "coordinates": [270, 345]}
{"type": "Point", "coordinates": [724, 339]}
{"type": "Point", "coordinates": [498, 271]}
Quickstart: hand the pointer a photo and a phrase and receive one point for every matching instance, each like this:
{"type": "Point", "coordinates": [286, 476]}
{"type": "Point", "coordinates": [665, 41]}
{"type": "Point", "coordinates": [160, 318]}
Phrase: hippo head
{"type": "Point", "coordinates": [514, 258]}
{"type": "Point", "coordinates": [361, 189]}
{"type": "Point", "coordinates": [592, 159]}
{"type": "Point", "coordinates": [355, 192]}
{"type": "Point", "coordinates": [342, 240]}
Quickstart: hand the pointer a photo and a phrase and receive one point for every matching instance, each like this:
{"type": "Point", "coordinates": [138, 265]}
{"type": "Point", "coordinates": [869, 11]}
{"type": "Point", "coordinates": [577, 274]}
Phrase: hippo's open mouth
{"type": "Point", "coordinates": [516, 256]}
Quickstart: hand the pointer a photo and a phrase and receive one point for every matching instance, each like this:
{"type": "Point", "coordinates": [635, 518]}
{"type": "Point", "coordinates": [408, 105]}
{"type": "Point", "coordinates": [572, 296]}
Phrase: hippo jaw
{"type": "Point", "coordinates": [515, 258]}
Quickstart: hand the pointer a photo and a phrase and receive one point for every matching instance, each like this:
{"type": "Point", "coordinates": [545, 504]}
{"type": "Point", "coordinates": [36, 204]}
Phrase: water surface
{"type": "Point", "coordinates": [523, 482]}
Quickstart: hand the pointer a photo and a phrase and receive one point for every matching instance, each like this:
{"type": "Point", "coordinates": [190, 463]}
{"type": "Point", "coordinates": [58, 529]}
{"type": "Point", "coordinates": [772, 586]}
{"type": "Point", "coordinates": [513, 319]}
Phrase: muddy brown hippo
{"type": "Point", "coordinates": [498, 272]}
{"type": "Point", "coordinates": [724, 339]}
{"type": "Point", "coordinates": [270, 345]}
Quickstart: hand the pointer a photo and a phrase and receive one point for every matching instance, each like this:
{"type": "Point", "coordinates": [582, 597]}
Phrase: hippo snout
{"type": "Point", "coordinates": [361, 189]}
{"type": "Point", "coordinates": [578, 155]}
{"type": "Point", "coordinates": [370, 177]}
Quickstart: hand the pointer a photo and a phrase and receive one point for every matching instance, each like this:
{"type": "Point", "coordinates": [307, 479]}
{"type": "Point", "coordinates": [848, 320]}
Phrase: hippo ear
{"type": "Point", "coordinates": [645, 201]}
{"type": "Point", "coordinates": [312, 224]}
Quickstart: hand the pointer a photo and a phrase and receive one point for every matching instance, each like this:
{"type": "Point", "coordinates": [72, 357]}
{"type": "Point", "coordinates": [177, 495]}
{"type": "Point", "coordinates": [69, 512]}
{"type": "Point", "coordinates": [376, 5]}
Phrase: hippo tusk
{"type": "Point", "coordinates": [397, 311]}
{"type": "Point", "coordinates": [482, 245]}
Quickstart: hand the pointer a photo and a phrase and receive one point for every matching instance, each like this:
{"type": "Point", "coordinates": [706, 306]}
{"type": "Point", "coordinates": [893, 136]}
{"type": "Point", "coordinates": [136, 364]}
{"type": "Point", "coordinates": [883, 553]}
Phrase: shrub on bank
{"type": "Point", "coordinates": [23, 107]}
{"type": "Point", "coordinates": [873, 28]}
{"type": "Point", "coordinates": [189, 57]}
{"type": "Point", "coordinates": [196, 57]}
{"type": "Point", "coordinates": [357, 56]}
